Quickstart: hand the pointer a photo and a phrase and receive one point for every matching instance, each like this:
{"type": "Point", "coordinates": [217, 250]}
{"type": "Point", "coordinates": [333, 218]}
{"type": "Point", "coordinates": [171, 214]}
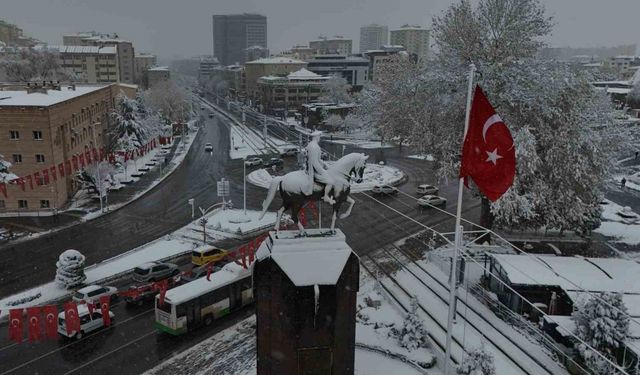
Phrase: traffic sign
{"type": "Point", "coordinates": [223, 188]}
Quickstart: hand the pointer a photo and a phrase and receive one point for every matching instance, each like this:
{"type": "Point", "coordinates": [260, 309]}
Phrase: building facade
{"type": "Point", "coordinates": [234, 33]}
{"type": "Point", "coordinates": [157, 74]}
{"type": "Point", "coordinates": [355, 70]}
{"type": "Point", "coordinates": [274, 66]}
{"type": "Point", "coordinates": [373, 36]}
{"type": "Point", "coordinates": [41, 128]}
{"type": "Point", "coordinates": [90, 64]}
{"type": "Point", "coordinates": [379, 57]}
{"type": "Point", "coordinates": [142, 63]}
{"type": "Point", "coordinates": [12, 35]}
{"type": "Point", "coordinates": [207, 67]}
{"type": "Point", "coordinates": [280, 94]}
{"type": "Point", "coordinates": [331, 46]}
{"type": "Point", "coordinates": [414, 38]}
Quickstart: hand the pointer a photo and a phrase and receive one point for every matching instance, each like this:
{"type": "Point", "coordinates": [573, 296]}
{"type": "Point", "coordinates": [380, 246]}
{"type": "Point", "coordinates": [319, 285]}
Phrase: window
{"type": "Point", "coordinates": [22, 203]}
{"type": "Point", "coordinates": [39, 158]}
{"type": "Point", "coordinates": [37, 135]}
{"type": "Point", "coordinates": [17, 158]}
{"type": "Point", "coordinates": [14, 135]}
{"type": "Point", "coordinates": [44, 203]}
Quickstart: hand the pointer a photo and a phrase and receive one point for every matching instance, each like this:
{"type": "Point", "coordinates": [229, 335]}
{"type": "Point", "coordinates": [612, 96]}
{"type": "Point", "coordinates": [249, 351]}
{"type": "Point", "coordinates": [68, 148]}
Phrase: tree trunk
{"type": "Point", "coordinates": [486, 220]}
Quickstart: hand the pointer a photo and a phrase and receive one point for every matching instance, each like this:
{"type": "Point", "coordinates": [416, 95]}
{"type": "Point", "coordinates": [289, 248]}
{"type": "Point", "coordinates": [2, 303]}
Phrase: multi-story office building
{"type": "Point", "coordinates": [273, 66]}
{"type": "Point", "coordinates": [89, 64]}
{"type": "Point", "coordinates": [255, 53]}
{"type": "Point", "coordinates": [331, 46]}
{"type": "Point", "coordinates": [12, 35]}
{"type": "Point", "coordinates": [414, 38]}
{"type": "Point", "coordinates": [142, 62]}
{"type": "Point", "coordinates": [283, 93]}
{"type": "Point", "coordinates": [157, 74]}
{"type": "Point", "coordinates": [44, 128]}
{"type": "Point", "coordinates": [234, 33]}
{"type": "Point", "coordinates": [373, 37]}
{"type": "Point", "coordinates": [207, 67]}
{"type": "Point", "coordinates": [355, 70]}
{"type": "Point", "coordinates": [126, 52]}
{"type": "Point", "coordinates": [379, 57]}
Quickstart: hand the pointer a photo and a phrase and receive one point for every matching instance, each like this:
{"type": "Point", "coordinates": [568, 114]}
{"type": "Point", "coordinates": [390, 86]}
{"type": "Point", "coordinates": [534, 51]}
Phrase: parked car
{"type": "Point", "coordinates": [154, 271]}
{"type": "Point", "coordinates": [384, 189]}
{"type": "Point", "coordinates": [208, 147]}
{"type": "Point", "coordinates": [198, 272]}
{"type": "Point", "coordinates": [251, 162]}
{"type": "Point", "coordinates": [290, 152]}
{"type": "Point", "coordinates": [92, 293]}
{"type": "Point", "coordinates": [431, 200]}
{"type": "Point", "coordinates": [207, 254]}
{"type": "Point", "coordinates": [88, 322]}
{"type": "Point", "coordinates": [425, 189]}
{"type": "Point", "coordinates": [272, 161]}
{"type": "Point", "coordinates": [146, 292]}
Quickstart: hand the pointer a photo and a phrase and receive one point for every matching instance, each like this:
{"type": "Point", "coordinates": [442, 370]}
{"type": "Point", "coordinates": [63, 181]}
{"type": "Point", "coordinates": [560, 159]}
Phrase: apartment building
{"type": "Point", "coordinates": [373, 37]}
{"type": "Point", "coordinates": [414, 38]}
{"type": "Point", "coordinates": [90, 64]}
{"type": "Point", "coordinates": [280, 94]}
{"type": "Point", "coordinates": [157, 74]}
{"type": "Point", "coordinates": [43, 132]}
{"type": "Point", "coordinates": [337, 45]}
{"type": "Point", "coordinates": [142, 62]}
{"type": "Point", "coordinates": [273, 66]}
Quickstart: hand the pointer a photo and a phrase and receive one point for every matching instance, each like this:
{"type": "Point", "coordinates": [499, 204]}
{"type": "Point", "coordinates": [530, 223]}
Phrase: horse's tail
{"type": "Point", "coordinates": [273, 187]}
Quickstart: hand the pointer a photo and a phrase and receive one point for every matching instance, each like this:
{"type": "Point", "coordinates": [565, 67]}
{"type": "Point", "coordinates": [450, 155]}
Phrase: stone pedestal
{"type": "Point", "coordinates": [306, 304]}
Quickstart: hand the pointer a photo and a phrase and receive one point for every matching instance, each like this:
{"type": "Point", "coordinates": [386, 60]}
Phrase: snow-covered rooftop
{"type": "Point", "coordinates": [313, 260]}
{"type": "Point", "coordinates": [159, 69]}
{"type": "Point", "coordinates": [52, 97]}
{"type": "Point", "coordinates": [591, 274]}
{"type": "Point", "coordinates": [277, 60]}
{"type": "Point", "coordinates": [228, 274]}
{"type": "Point", "coordinates": [304, 74]}
{"type": "Point", "coordinates": [83, 49]}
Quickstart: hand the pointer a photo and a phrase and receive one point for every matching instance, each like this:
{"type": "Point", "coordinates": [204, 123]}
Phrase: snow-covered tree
{"type": "Point", "coordinates": [5, 175]}
{"type": "Point", "coordinates": [413, 334]}
{"type": "Point", "coordinates": [29, 65]}
{"type": "Point", "coordinates": [603, 324]}
{"type": "Point", "coordinates": [169, 100]}
{"type": "Point", "coordinates": [633, 98]}
{"type": "Point", "coordinates": [478, 362]}
{"type": "Point", "coordinates": [334, 121]}
{"type": "Point", "coordinates": [336, 90]}
{"type": "Point", "coordinates": [91, 176]}
{"type": "Point", "coordinates": [70, 272]}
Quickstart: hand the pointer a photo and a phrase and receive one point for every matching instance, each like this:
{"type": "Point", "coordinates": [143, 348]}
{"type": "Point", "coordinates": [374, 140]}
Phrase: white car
{"type": "Point", "coordinates": [384, 189]}
{"type": "Point", "coordinates": [250, 162]}
{"type": "Point", "coordinates": [425, 189]}
{"type": "Point", "coordinates": [92, 293]}
{"type": "Point", "coordinates": [431, 200]}
{"type": "Point", "coordinates": [290, 152]}
{"type": "Point", "coordinates": [88, 322]}
{"type": "Point", "coordinates": [208, 147]}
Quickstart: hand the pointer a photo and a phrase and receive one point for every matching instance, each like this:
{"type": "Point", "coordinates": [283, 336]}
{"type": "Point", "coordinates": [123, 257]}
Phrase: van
{"type": "Point", "coordinates": [207, 254]}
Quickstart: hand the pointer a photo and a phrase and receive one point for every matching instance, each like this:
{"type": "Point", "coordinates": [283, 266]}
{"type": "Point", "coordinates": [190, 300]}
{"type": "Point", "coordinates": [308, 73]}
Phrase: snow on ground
{"type": "Point", "coordinates": [625, 230]}
{"type": "Point", "coordinates": [360, 143]}
{"type": "Point", "coordinates": [233, 350]}
{"type": "Point", "coordinates": [633, 181]}
{"type": "Point", "coordinates": [374, 174]}
{"type": "Point", "coordinates": [427, 157]}
{"type": "Point", "coordinates": [158, 249]}
{"type": "Point", "coordinates": [232, 223]}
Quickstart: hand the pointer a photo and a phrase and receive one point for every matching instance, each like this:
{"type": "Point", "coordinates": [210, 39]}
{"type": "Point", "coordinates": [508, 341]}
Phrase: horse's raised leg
{"type": "Point", "coordinates": [280, 211]}
{"type": "Point", "coordinates": [333, 220]}
{"type": "Point", "coordinates": [348, 212]}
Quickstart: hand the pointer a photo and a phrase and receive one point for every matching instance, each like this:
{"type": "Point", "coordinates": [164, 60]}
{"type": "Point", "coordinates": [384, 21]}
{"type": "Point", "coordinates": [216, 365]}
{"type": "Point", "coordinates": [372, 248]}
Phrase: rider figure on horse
{"type": "Point", "coordinates": [317, 168]}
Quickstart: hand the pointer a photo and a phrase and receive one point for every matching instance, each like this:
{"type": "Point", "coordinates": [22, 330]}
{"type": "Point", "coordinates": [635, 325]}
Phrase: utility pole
{"type": "Point", "coordinates": [264, 130]}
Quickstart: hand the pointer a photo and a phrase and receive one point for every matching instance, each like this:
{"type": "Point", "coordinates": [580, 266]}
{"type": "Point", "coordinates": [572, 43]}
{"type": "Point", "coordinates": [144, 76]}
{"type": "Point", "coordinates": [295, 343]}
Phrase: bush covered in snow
{"type": "Point", "coordinates": [477, 362]}
{"type": "Point", "coordinates": [603, 323]}
{"type": "Point", "coordinates": [70, 273]}
{"type": "Point", "coordinates": [412, 335]}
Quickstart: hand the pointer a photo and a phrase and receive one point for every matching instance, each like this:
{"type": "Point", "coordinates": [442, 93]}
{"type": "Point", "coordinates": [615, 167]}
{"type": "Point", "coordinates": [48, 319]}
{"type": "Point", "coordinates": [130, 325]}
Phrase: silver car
{"type": "Point", "coordinates": [425, 189]}
{"type": "Point", "coordinates": [154, 271]}
{"type": "Point", "coordinates": [384, 189]}
{"type": "Point", "coordinates": [252, 162]}
{"type": "Point", "coordinates": [431, 200]}
{"type": "Point", "coordinates": [92, 293]}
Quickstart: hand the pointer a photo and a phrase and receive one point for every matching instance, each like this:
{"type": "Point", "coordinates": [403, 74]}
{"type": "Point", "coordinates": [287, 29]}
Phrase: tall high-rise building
{"type": "Point", "coordinates": [233, 34]}
{"type": "Point", "coordinates": [414, 38]}
{"type": "Point", "coordinates": [373, 37]}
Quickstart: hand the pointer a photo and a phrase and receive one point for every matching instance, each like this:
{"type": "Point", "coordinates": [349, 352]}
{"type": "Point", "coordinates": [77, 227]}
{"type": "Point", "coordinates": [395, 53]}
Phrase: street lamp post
{"type": "Point", "coordinates": [244, 184]}
{"type": "Point", "coordinates": [203, 220]}
{"type": "Point", "coordinates": [97, 166]}
{"type": "Point", "coordinates": [192, 202]}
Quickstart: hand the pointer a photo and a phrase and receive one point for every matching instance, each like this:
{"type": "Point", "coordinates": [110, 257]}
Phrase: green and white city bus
{"type": "Point", "coordinates": [200, 302]}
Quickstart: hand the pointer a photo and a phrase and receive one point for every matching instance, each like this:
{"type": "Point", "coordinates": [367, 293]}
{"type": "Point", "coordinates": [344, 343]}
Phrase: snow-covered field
{"type": "Point", "coordinates": [360, 143]}
{"type": "Point", "coordinates": [231, 223]}
{"type": "Point", "coordinates": [233, 350]}
{"type": "Point", "coordinates": [374, 174]}
{"type": "Point", "coordinates": [624, 230]}
{"type": "Point", "coordinates": [158, 249]}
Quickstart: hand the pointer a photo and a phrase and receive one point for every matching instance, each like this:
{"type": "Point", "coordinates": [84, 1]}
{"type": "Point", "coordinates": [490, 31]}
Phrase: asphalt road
{"type": "Point", "coordinates": [133, 346]}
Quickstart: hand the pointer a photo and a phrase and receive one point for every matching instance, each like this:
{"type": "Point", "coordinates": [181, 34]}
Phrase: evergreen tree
{"type": "Point", "coordinates": [413, 335]}
{"type": "Point", "coordinates": [128, 131]}
{"type": "Point", "coordinates": [478, 362]}
{"type": "Point", "coordinates": [70, 272]}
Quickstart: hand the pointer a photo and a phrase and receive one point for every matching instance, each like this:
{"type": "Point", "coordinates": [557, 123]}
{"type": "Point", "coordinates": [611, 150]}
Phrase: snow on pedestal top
{"type": "Point", "coordinates": [317, 259]}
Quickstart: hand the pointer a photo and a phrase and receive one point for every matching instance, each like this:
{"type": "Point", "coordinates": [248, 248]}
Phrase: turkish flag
{"type": "Point", "coordinates": [61, 169]}
{"type": "Point", "coordinates": [209, 269]}
{"type": "Point", "coordinates": [94, 152]}
{"type": "Point", "coordinates": [74, 159]}
{"type": "Point", "coordinates": [162, 287]}
{"type": "Point", "coordinates": [87, 156]}
{"type": "Point", "coordinates": [91, 306]}
{"type": "Point", "coordinates": [67, 168]}
{"type": "Point", "coordinates": [15, 325]}
{"type": "Point", "coordinates": [81, 160]}
{"type": "Point", "coordinates": [488, 153]}
{"type": "Point", "coordinates": [3, 189]}
{"type": "Point", "coordinates": [71, 318]}
{"type": "Point", "coordinates": [45, 176]}
{"type": "Point", "coordinates": [35, 328]}
{"type": "Point", "coordinates": [302, 217]}
{"type": "Point", "coordinates": [54, 174]}
{"type": "Point", "coordinates": [36, 176]}
{"type": "Point", "coordinates": [30, 182]}
{"type": "Point", "coordinates": [51, 321]}
{"type": "Point", "coordinates": [21, 183]}
{"type": "Point", "coordinates": [104, 308]}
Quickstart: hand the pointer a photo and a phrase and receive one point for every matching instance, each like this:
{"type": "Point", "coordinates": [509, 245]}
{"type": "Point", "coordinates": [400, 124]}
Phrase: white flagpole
{"type": "Point", "coordinates": [458, 239]}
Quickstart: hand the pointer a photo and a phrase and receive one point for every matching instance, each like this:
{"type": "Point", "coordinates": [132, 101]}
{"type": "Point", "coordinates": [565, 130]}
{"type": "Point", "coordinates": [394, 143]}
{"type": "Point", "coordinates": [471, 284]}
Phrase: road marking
{"type": "Point", "coordinates": [111, 352]}
{"type": "Point", "coordinates": [73, 343]}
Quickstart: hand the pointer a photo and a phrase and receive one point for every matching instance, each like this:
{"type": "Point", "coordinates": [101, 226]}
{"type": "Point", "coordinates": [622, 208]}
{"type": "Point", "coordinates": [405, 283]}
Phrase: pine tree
{"type": "Point", "coordinates": [70, 272]}
{"type": "Point", "coordinates": [478, 362]}
{"type": "Point", "coordinates": [127, 132]}
{"type": "Point", "coordinates": [603, 324]}
{"type": "Point", "coordinates": [413, 335]}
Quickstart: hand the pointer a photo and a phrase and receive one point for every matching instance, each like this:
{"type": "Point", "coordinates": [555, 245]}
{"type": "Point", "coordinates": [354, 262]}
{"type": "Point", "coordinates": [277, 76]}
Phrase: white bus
{"type": "Point", "coordinates": [200, 302]}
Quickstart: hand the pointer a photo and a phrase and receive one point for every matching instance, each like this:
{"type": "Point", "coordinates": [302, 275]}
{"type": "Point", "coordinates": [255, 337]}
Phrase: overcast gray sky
{"type": "Point", "coordinates": [171, 28]}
